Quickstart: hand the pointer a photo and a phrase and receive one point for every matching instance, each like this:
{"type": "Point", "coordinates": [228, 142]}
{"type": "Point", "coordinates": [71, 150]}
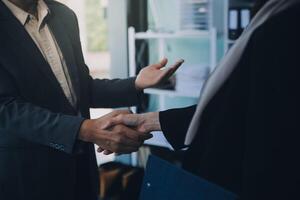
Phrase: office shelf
{"type": "Point", "coordinates": [177, 35]}
{"type": "Point", "coordinates": [213, 30]}
{"type": "Point", "coordinates": [172, 93]}
{"type": "Point", "coordinates": [210, 35]}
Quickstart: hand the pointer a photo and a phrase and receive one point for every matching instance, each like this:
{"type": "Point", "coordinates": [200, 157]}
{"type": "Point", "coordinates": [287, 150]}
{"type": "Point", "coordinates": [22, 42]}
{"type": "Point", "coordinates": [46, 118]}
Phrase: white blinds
{"type": "Point", "coordinates": [195, 14]}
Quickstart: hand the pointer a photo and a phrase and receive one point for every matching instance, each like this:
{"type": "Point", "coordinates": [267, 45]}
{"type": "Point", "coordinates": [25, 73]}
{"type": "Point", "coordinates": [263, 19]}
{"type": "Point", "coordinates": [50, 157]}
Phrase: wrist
{"type": "Point", "coordinates": [151, 121]}
{"type": "Point", "coordinates": [137, 85]}
{"type": "Point", "coordinates": [85, 131]}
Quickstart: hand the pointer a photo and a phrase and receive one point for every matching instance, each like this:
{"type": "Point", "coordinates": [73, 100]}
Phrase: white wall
{"type": "Point", "coordinates": [117, 33]}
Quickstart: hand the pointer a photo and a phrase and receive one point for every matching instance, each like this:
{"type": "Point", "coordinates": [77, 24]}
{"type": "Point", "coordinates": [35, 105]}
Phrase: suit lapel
{"type": "Point", "coordinates": [26, 46]}
{"type": "Point", "coordinates": [65, 46]}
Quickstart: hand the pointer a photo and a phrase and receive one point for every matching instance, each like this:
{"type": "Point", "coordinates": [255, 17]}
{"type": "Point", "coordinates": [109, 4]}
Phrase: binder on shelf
{"type": "Point", "coordinates": [245, 17]}
{"type": "Point", "coordinates": [233, 24]}
{"type": "Point", "coordinates": [238, 20]}
{"type": "Point", "coordinates": [165, 181]}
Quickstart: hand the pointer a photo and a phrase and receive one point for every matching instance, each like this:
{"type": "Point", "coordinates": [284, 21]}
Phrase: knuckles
{"type": "Point", "coordinates": [117, 139]}
{"type": "Point", "coordinates": [119, 129]}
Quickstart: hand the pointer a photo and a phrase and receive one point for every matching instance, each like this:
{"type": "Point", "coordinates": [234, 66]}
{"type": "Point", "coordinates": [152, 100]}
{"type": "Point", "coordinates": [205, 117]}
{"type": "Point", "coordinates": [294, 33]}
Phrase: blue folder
{"type": "Point", "coordinates": [164, 181]}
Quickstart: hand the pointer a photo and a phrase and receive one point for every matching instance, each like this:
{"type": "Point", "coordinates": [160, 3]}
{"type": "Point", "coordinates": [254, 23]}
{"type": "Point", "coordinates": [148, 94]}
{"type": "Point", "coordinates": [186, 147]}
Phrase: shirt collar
{"type": "Point", "coordinates": [24, 17]}
{"type": "Point", "coordinates": [43, 12]}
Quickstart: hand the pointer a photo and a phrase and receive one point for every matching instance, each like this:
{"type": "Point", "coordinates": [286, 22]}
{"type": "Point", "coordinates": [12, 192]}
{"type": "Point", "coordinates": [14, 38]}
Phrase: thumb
{"type": "Point", "coordinates": [119, 112]}
{"type": "Point", "coordinates": [161, 64]}
{"type": "Point", "coordinates": [130, 120]}
{"type": "Point", "coordinates": [127, 120]}
{"type": "Point", "coordinates": [112, 122]}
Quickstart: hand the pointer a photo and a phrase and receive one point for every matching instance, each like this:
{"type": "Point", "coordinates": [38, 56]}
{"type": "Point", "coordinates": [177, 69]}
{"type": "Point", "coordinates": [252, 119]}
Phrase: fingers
{"type": "Point", "coordinates": [118, 112]}
{"type": "Point", "coordinates": [161, 64]}
{"type": "Point", "coordinates": [122, 139]}
{"type": "Point", "coordinates": [105, 152]}
{"type": "Point", "coordinates": [167, 73]}
{"type": "Point", "coordinates": [127, 119]}
{"type": "Point", "coordinates": [173, 68]}
{"type": "Point", "coordinates": [109, 119]}
{"type": "Point", "coordinates": [100, 150]}
{"type": "Point", "coordinates": [177, 65]}
{"type": "Point", "coordinates": [113, 136]}
{"type": "Point", "coordinates": [130, 120]}
{"type": "Point", "coordinates": [133, 135]}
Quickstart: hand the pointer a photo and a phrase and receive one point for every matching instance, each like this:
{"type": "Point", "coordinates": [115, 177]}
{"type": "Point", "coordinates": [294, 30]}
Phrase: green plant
{"type": "Point", "coordinates": [96, 26]}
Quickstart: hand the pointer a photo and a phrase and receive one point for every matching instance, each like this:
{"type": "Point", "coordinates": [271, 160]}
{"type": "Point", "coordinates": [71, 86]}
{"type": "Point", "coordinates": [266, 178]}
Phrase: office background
{"type": "Point", "coordinates": [121, 36]}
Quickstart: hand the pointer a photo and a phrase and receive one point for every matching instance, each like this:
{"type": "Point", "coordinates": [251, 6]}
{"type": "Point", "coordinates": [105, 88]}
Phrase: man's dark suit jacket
{"type": "Point", "coordinates": [248, 139]}
{"type": "Point", "coordinates": [40, 156]}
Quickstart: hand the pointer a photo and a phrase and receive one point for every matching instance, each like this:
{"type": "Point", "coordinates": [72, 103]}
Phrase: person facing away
{"type": "Point", "coordinates": [46, 136]}
{"type": "Point", "coordinates": [244, 133]}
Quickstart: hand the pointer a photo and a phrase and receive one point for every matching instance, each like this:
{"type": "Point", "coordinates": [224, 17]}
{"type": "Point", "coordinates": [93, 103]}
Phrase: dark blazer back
{"type": "Point", "coordinates": [248, 137]}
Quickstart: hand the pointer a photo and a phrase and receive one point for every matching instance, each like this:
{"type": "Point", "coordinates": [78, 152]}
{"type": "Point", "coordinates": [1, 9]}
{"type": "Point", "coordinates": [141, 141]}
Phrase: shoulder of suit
{"type": "Point", "coordinates": [56, 6]}
{"type": "Point", "coordinates": [285, 22]}
{"type": "Point", "coordinates": [290, 15]}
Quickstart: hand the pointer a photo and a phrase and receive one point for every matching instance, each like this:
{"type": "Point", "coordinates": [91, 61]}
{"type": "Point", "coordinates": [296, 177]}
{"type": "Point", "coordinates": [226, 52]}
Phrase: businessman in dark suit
{"type": "Point", "coordinates": [247, 139]}
{"type": "Point", "coordinates": [46, 137]}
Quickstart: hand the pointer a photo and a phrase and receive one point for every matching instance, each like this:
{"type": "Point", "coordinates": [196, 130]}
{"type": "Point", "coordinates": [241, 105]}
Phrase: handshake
{"type": "Point", "coordinates": [124, 132]}
{"type": "Point", "coordinates": [120, 131]}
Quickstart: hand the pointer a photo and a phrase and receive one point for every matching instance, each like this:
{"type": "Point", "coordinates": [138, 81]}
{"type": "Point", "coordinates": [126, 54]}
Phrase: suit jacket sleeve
{"type": "Point", "coordinates": [271, 165]}
{"type": "Point", "coordinates": [175, 123]}
{"type": "Point", "coordinates": [33, 123]}
{"type": "Point", "coordinates": [114, 93]}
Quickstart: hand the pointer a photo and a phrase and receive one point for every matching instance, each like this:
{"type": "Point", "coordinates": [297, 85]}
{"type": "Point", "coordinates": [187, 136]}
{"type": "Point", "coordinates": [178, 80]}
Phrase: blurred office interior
{"type": "Point", "coordinates": [119, 37]}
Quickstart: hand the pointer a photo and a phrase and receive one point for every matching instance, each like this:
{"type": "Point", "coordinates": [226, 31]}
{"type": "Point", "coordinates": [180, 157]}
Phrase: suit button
{"type": "Point", "coordinates": [62, 147]}
{"type": "Point", "coordinates": [57, 146]}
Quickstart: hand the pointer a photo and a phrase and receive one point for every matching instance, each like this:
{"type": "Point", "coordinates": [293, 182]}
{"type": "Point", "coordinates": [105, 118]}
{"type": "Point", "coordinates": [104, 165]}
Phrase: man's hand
{"type": "Point", "coordinates": [154, 75]}
{"type": "Point", "coordinates": [144, 123]}
{"type": "Point", "coordinates": [118, 138]}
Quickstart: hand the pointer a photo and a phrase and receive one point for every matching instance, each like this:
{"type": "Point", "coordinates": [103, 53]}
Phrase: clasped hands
{"type": "Point", "coordinates": [112, 136]}
{"type": "Point", "coordinates": [121, 131]}
{"type": "Point", "coordinates": [143, 124]}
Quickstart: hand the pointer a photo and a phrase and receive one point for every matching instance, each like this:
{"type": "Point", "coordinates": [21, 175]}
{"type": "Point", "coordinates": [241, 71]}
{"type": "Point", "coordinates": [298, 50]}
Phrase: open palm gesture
{"type": "Point", "coordinates": [156, 74]}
